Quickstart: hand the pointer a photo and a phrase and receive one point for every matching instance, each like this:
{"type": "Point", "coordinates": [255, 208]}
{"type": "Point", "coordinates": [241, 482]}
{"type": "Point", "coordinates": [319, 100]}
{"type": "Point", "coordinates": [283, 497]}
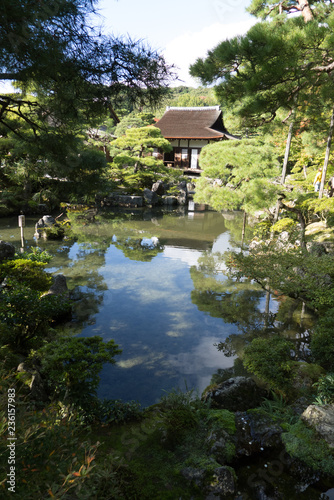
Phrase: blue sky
{"type": "Point", "coordinates": [181, 29]}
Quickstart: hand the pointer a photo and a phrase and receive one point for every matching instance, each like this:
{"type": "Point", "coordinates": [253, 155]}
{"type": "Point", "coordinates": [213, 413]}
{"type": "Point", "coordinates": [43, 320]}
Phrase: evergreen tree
{"type": "Point", "coordinates": [136, 158]}
{"type": "Point", "coordinates": [53, 53]}
{"type": "Point", "coordinates": [239, 175]}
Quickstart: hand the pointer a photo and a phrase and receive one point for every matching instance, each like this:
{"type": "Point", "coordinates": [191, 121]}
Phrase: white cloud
{"type": "Point", "coordinates": [183, 50]}
{"type": "Point", "coordinates": [6, 87]}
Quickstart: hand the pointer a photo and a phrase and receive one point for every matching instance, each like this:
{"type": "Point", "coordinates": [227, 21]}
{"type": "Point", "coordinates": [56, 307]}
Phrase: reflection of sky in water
{"type": "Point", "coordinates": [166, 340]}
{"type": "Point", "coordinates": [146, 308]}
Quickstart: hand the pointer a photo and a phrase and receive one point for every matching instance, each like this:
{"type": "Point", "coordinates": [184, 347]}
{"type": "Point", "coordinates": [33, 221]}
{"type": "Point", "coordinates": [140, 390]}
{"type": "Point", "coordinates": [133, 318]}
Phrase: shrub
{"type": "Point", "coordinates": [285, 224]}
{"type": "Point", "coordinates": [72, 366]}
{"type": "Point", "coordinates": [322, 341]}
{"type": "Point", "coordinates": [325, 390]}
{"type": "Point", "coordinates": [180, 412]}
{"type": "Point", "coordinates": [270, 360]}
{"type": "Point", "coordinates": [25, 319]}
{"type": "Point", "coordinates": [115, 411]}
{"type": "Point", "coordinates": [26, 272]}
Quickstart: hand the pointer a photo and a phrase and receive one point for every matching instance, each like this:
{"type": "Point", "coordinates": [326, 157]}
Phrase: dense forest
{"type": "Point", "coordinates": [79, 94]}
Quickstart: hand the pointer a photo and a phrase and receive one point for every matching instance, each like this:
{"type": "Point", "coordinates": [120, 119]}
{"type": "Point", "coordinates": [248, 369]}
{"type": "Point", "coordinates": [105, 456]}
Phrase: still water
{"type": "Point", "coordinates": [155, 283]}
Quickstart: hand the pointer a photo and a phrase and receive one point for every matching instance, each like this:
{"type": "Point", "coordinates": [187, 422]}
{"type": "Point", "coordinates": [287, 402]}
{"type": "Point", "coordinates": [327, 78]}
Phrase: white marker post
{"type": "Point", "coordinates": [22, 223]}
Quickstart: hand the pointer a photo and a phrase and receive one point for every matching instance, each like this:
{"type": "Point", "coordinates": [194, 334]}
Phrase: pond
{"type": "Point", "coordinates": [154, 282]}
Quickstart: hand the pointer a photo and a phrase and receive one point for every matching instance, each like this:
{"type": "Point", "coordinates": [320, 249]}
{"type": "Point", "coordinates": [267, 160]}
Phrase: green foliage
{"type": "Point", "coordinates": [134, 166]}
{"type": "Point", "coordinates": [295, 273]}
{"type": "Point", "coordinates": [238, 175]}
{"type": "Point", "coordinates": [27, 272]}
{"type": "Point", "coordinates": [35, 254]}
{"type": "Point", "coordinates": [262, 230]}
{"type": "Point", "coordinates": [223, 419]}
{"type": "Point", "coordinates": [72, 366]}
{"type": "Point", "coordinates": [325, 390]}
{"type": "Point", "coordinates": [53, 454]}
{"type": "Point", "coordinates": [270, 360]}
{"type": "Point", "coordinates": [324, 208]}
{"type": "Point", "coordinates": [133, 120]}
{"type": "Point", "coordinates": [304, 444]}
{"type": "Point", "coordinates": [25, 318]}
{"type": "Point", "coordinates": [285, 224]}
{"type": "Point", "coordinates": [114, 411]}
{"type": "Point", "coordinates": [180, 412]}
{"type": "Point", "coordinates": [322, 341]}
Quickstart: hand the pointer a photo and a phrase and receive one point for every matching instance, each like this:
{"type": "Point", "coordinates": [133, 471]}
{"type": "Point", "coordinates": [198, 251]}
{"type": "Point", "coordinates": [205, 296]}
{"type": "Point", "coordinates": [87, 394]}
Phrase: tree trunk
{"type": "Point", "coordinates": [305, 9]}
{"type": "Point", "coordinates": [328, 150]}
{"type": "Point", "coordinates": [243, 230]}
{"type": "Point", "coordinates": [285, 164]}
{"type": "Point", "coordinates": [287, 152]}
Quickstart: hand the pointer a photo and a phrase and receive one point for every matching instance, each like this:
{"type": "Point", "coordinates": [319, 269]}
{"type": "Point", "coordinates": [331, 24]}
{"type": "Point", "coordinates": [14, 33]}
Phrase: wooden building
{"type": "Point", "coordinates": [188, 130]}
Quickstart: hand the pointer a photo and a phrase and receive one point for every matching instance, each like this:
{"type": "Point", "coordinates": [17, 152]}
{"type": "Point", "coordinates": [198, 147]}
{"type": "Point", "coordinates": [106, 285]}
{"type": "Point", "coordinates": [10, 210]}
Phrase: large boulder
{"type": "Point", "coordinates": [45, 221]}
{"type": "Point", "coordinates": [236, 394]}
{"type": "Point", "coordinates": [48, 228]}
{"type": "Point", "coordinates": [218, 485]}
{"type": "Point", "coordinates": [159, 188]}
{"type": "Point", "coordinates": [7, 250]}
{"type": "Point", "coordinates": [322, 418]}
{"type": "Point", "coordinates": [151, 198]}
{"type": "Point", "coordinates": [170, 200]}
{"type": "Point", "coordinates": [182, 196]}
{"type": "Point", "coordinates": [256, 432]}
{"type": "Point", "coordinates": [122, 200]}
{"type": "Point", "coordinates": [58, 287]}
{"type": "Point", "coordinates": [222, 484]}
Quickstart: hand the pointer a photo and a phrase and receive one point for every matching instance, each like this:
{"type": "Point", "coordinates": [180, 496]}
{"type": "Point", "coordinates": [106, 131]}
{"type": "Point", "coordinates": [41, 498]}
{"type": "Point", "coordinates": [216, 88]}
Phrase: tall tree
{"type": "Point", "coordinates": [284, 64]}
{"type": "Point", "coordinates": [72, 69]}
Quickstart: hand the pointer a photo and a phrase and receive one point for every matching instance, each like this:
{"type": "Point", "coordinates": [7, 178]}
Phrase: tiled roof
{"type": "Point", "coordinates": [193, 123]}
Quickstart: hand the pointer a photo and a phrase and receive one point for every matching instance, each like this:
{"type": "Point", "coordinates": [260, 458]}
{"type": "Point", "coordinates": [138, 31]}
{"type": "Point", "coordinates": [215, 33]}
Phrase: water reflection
{"type": "Point", "coordinates": [155, 283]}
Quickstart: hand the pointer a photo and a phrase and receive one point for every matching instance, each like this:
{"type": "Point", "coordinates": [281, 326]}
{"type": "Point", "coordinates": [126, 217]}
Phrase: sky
{"type": "Point", "coordinates": [182, 30]}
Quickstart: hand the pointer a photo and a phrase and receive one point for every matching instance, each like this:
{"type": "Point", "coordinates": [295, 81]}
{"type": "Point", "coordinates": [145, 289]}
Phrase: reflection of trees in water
{"type": "Point", "coordinates": [138, 248]}
{"type": "Point", "coordinates": [244, 304]}
{"type": "Point", "coordinates": [234, 222]}
{"type": "Point", "coordinates": [92, 240]}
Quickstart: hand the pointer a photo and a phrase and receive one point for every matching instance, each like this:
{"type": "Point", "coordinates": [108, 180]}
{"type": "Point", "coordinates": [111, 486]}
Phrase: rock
{"type": "Point", "coordinates": [238, 393]}
{"type": "Point", "coordinates": [191, 187]}
{"type": "Point", "coordinates": [218, 442]}
{"type": "Point", "coordinates": [169, 200]}
{"type": "Point", "coordinates": [193, 475]}
{"type": "Point", "coordinates": [7, 250]}
{"type": "Point", "coordinates": [222, 484]}
{"type": "Point", "coordinates": [182, 185]}
{"type": "Point", "coordinates": [255, 433]}
{"type": "Point", "coordinates": [58, 287]}
{"type": "Point", "coordinates": [222, 481]}
{"type": "Point", "coordinates": [322, 418]}
{"type": "Point", "coordinates": [159, 188]}
{"type": "Point", "coordinates": [122, 200]}
{"type": "Point", "coordinates": [151, 198]}
{"type": "Point", "coordinates": [182, 197]}
{"type": "Point", "coordinates": [34, 380]}
{"type": "Point", "coordinates": [45, 221]}
{"type": "Point", "coordinates": [43, 228]}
